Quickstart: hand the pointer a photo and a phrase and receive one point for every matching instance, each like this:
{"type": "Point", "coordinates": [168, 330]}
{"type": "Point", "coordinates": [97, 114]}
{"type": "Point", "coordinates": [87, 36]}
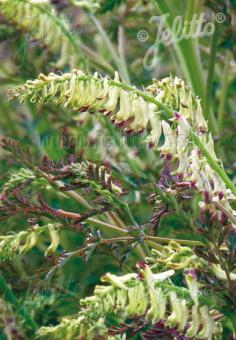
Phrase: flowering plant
{"type": "Point", "coordinates": [117, 204]}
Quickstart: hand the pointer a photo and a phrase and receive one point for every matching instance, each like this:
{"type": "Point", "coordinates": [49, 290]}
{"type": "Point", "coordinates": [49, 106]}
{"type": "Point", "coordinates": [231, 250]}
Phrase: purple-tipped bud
{"type": "Point", "coordinates": [207, 197]}
{"type": "Point", "coordinates": [151, 145]}
{"type": "Point", "coordinates": [169, 157]}
{"type": "Point", "coordinates": [178, 116]}
{"type": "Point", "coordinates": [191, 272]}
{"type": "Point", "coordinates": [221, 195]}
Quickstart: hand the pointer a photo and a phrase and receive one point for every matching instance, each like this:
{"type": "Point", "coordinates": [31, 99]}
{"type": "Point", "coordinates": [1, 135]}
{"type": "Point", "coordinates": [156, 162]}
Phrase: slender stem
{"type": "Point", "coordinates": [210, 76]}
{"type": "Point", "coordinates": [224, 90]}
{"type": "Point", "coordinates": [162, 240]}
{"type": "Point", "coordinates": [190, 10]}
{"type": "Point", "coordinates": [121, 45]}
{"type": "Point", "coordinates": [65, 31]}
{"type": "Point", "coordinates": [190, 61]}
{"type": "Point", "coordinates": [199, 6]}
{"type": "Point", "coordinates": [97, 59]}
{"type": "Point", "coordinates": [152, 239]}
{"type": "Point", "coordinates": [118, 61]}
{"type": "Point", "coordinates": [143, 244]}
{"type": "Point", "coordinates": [165, 240]}
{"type": "Point", "coordinates": [107, 226]}
{"type": "Point", "coordinates": [17, 305]}
{"type": "Point", "coordinates": [214, 165]}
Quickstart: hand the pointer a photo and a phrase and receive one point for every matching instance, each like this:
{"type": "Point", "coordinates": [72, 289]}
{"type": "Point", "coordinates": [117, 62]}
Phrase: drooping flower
{"type": "Point", "coordinates": [39, 19]}
{"type": "Point", "coordinates": [134, 111]}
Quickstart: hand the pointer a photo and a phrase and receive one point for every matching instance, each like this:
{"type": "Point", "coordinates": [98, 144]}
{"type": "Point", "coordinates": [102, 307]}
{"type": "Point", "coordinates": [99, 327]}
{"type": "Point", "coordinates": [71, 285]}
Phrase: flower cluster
{"type": "Point", "coordinates": [176, 257]}
{"type": "Point", "coordinates": [193, 166]}
{"type": "Point", "coordinates": [19, 244]}
{"type": "Point", "coordinates": [85, 175]}
{"type": "Point", "coordinates": [136, 111]}
{"type": "Point", "coordinates": [89, 172]}
{"type": "Point", "coordinates": [140, 295]}
{"type": "Point", "coordinates": [40, 20]}
{"type": "Point", "coordinates": [22, 177]}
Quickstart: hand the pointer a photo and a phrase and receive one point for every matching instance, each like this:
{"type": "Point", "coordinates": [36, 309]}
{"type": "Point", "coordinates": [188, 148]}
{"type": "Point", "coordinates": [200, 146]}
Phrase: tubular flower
{"type": "Point", "coordinates": [135, 111]}
{"type": "Point", "coordinates": [128, 297]}
{"type": "Point", "coordinates": [176, 257]}
{"type": "Point", "coordinates": [40, 20]}
{"type": "Point", "coordinates": [21, 243]}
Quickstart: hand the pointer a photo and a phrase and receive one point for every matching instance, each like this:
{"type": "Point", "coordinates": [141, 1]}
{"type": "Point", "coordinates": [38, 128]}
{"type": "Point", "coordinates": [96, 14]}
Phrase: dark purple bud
{"type": "Point", "coordinates": [193, 184]}
{"type": "Point", "coordinates": [84, 108]}
{"type": "Point", "coordinates": [221, 195]}
{"type": "Point", "coordinates": [142, 265]}
{"type": "Point", "coordinates": [202, 130]}
{"type": "Point", "coordinates": [207, 197]}
{"type": "Point", "coordinates": [129, 131]}
{"type": "Point", "coordinates": [151, 145]}
{"type": "Point", "coordinates": [169, 157]}
{"type": "Point", "coordinates": [178, 115]}
{"type": "Point", "coordinates": [201, 230]}
{"type": "Point", "coordinates": [224, 219]}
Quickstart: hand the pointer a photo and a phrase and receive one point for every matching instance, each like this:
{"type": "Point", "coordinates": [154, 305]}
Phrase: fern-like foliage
{"type": "Point", "coordinates": [146, 296]}
{"type": "Point", "coordinates": [84, 174]}
{"type": "Point", "coordinates": [187, 141]}
{"type": "Point", "coordinates": [40, 20]}
{"type": "Point", "coordinates": [24, 176]}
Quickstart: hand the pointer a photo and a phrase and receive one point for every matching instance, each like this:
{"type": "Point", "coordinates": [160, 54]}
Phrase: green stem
{"type": "Point", "coordinates": [165, 240]}
{"type": "Point", "coordinates": [187, 52]}
{"type": "Point", "coordinates": [121, 50]}
{"type": "Point", "coordinates": [214, 165]}
{"type": "Point", "coordinates": [65, 31]}
{"type": "Point", "coordinates": [190, 10]}
{"type": "Point", "coordinates": [97, 59]}
{"type": "Point", "coordinates": [199, 6]}
{"type": "Point", "coordinates": [18, 307]}
{"type": "Point", "coordinates": [224, 90]}
{"type": "Point", "coordinates": [118, 61]}
{"type": "Point", "coordinates": [153, 240]}
{"type": "Point", "coordinates": [161, 240]}
{"type": "Point", "coordinates": [127, 209]}
{"type": "Point", "coordinates": [210, 76]}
